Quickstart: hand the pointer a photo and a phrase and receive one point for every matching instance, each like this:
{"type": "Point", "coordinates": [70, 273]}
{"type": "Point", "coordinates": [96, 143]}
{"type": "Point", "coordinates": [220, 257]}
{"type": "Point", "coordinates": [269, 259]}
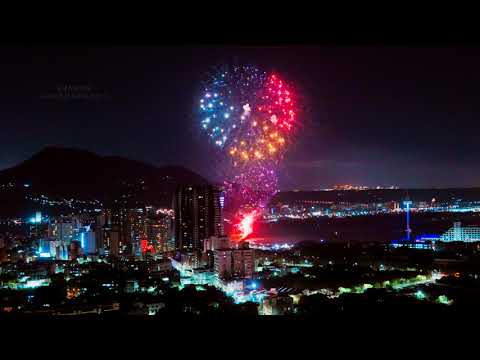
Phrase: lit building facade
{"type": "Point", "coordinates": [117, 236]}
{"type": "Point", "coordinates": [277, 305]}
{"type": "Point", "coordinates": [236, 263]}
{"type": "Point", "coordinates": [101, 224]}
{"type": "Point", "coordinates": [119, 231]}
{"type": "Point", "coordinates": [223, 263]}
{"type": "Point", "coordinates": [107, 234]}
{"type": "Point", "coordinates": [136, 230]}
{"type": "Point", "coordinates": [88, 241]}
{"type": "Point", "coordinates": [158, 233]}
{"type": "Point", "coordinates": [216, 242]}
{"type": "Point", "coordinates": [62, 252]}
{"type": "Point", "coordinates": [191, 260]}
{"type": "Point", "coordinates": [198, 215]}
{"type": "Point", "coordinates": [463, 234]}
{"type": "Point", "coordinates": [63, 230]}
{"type": "Point", "coordinates": [243, 263]}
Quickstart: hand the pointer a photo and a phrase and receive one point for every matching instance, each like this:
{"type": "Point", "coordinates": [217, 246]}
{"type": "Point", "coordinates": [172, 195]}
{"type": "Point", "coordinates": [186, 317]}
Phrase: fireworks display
{"type": "Point", "coordinates": [245, 226]}
{"type": "Point", "coordinates": [249, 115]}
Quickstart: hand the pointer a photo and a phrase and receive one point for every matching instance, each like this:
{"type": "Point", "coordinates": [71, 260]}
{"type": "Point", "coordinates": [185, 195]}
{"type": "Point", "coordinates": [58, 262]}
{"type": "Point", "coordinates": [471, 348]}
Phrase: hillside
{"type": "Point", "coordinates": [71, 173]}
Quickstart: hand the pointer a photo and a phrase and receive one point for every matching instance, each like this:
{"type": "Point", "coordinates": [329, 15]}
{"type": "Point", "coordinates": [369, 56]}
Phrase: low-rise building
{"type": "Point", "coordinates": [463, 234]}
{"type": "Point", "coordinates": [277, 305]}
{"type": "Point", "coordinates": [236, 262]}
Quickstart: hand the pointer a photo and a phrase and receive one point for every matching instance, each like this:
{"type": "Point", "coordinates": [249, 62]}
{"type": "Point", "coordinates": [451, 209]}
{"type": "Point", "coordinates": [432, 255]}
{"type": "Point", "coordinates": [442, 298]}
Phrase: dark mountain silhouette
{"type": "Point", "coordinates": [72, 173]}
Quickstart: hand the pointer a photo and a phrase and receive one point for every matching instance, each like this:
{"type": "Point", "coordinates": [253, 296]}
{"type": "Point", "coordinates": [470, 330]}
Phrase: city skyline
{"type": "Point", "coordinates": [371, 115]}
{"type": "Point", "coordinates": [290, 175]}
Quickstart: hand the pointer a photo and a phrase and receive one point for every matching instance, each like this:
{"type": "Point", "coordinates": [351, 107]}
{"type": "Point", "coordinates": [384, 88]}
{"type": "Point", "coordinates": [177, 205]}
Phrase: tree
{"type": "Point", "coordinates": [315, 304]}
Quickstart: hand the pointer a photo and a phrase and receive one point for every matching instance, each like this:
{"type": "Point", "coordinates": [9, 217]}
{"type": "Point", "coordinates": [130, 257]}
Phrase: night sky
{"type": "Point", "coordinates": [371, 115]}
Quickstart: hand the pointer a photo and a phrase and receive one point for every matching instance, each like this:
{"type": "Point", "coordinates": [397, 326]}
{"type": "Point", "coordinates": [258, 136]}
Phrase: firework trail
{"type": "Point", "coordinates": [249, 116]}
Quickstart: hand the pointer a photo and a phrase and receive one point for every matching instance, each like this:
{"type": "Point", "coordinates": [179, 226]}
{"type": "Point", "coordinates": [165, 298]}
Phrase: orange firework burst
{"type": "Point", "coordinates": [250, 116]}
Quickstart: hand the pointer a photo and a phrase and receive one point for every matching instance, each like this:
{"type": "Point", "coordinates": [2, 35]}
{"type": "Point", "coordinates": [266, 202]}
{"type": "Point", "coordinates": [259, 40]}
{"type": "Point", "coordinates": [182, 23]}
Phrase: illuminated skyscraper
{"type": "Point", "coordinates": [62, 230]}
{"type": "Point", "coordinates": [158, 232]}
{"type": "Point", "coordinates": [38, 228]}
{"type": "Point", "coordinates": [121, 228]}
{"type": "Point", "coordinates": [108, 232]}
{"type": "Point", "coordinates": [121, 225]}
{"type": "Point", "coordinates": [100, 224]}
{"type": "Point", "coordinates": [136, 227]}
{"type": "Point", "coordinates": [198, 215]}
